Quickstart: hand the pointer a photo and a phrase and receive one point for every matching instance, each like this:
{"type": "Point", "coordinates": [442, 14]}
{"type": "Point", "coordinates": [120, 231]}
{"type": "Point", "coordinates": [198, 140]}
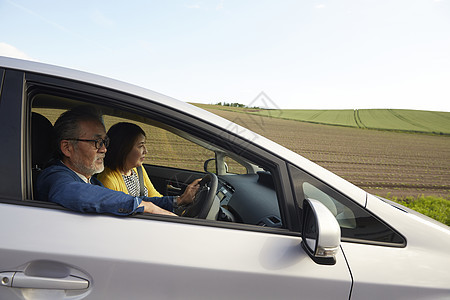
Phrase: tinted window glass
{"type": "Point", "coordinates": [356, 223]}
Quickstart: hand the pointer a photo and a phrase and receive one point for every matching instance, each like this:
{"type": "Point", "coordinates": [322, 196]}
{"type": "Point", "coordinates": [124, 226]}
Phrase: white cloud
{"type": "Point", "coordinates": [11, 51]}
{"type": "Point", "coordinates": [319, 6]}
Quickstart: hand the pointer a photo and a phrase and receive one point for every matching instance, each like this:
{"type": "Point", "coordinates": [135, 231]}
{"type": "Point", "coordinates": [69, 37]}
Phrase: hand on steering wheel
{"type": "Point", "coordinates": [204, 198]}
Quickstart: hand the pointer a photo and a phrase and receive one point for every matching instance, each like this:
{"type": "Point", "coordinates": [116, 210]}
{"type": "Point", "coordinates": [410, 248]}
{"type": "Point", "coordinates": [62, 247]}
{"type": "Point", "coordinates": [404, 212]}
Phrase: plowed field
{"type": "Point", "coordinates": [380, 162]}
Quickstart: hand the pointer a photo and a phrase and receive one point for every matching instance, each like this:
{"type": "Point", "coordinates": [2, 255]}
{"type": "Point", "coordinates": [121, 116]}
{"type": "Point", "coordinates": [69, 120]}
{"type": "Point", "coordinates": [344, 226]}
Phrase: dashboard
{"type": "Point", "coordinates": [249, 199]}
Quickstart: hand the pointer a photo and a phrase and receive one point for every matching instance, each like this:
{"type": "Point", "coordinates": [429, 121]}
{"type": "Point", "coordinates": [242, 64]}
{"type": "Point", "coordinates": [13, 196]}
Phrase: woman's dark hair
{"type": "Point", "coordinates": [122, 137]}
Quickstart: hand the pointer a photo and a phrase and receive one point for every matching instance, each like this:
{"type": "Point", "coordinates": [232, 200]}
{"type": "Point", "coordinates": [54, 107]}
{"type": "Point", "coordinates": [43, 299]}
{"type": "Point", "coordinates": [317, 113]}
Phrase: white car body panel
{"type": "Point", "coordinates": [141, 259]}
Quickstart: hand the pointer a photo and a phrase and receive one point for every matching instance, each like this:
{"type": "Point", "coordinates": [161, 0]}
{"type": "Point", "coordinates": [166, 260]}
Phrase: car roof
{"type": "Point", "coordinates": [254, 138]}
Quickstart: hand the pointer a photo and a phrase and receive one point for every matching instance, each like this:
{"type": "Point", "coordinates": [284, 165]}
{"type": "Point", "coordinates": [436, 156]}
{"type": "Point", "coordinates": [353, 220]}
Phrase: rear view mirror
{"type": "Point", "coordinates": [321, 233]}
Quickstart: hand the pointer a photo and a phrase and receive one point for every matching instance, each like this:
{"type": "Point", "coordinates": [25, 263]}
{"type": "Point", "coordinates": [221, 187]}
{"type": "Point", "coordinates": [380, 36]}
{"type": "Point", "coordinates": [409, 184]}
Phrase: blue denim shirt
{"type": "Point", "coordinates": [61, 185]}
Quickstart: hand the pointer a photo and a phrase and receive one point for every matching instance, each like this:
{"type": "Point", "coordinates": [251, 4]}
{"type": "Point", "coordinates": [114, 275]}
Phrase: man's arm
{"type": "Point", "coordinates": [61, 185]}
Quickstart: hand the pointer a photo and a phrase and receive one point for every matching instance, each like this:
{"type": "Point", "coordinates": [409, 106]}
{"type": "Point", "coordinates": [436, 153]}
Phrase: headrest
{"type": "Point", "coordinates": [42, 140]}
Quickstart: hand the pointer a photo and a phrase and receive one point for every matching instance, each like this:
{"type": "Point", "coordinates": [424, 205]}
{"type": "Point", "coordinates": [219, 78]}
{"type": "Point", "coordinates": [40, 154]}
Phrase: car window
{"type": "Point", "coordinates": [356, 223]}
{"type": "Point", "coordinates": [246, 190]}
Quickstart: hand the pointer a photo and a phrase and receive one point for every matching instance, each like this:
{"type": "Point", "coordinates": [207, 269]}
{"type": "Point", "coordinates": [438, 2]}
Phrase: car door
{"type": "Point", "coordinates": [138, 258]}
{"type": "Point", "coordinates": [48, 252]}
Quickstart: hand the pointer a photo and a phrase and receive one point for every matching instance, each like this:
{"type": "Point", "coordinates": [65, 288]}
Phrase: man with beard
{"type": "Point", "coordinates": [81, 146]}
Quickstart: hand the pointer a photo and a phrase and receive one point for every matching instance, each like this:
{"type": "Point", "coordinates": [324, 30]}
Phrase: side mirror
{"type": "Point", "coordinates": [321, 234]}
{"type": "Point", "coordinates": [209, 165]}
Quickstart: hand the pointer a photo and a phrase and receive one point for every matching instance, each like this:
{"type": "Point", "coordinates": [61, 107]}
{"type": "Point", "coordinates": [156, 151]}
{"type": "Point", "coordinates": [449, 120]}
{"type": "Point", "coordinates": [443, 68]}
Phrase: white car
{"type": "Point", "coordinates": [273, 225]}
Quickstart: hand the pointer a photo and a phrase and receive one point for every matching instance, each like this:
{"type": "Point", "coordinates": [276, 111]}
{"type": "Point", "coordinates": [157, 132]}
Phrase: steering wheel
{"type": "Point", "coordinates": [204, 198]}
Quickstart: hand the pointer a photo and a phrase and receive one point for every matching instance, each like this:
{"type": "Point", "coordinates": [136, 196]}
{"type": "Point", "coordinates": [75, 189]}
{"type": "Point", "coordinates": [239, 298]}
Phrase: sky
{"type": "Point", "coordinates": [302, 54]}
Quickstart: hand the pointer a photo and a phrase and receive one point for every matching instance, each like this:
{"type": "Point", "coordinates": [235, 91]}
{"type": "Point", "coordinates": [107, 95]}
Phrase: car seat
{"type": "Point", "coordinates": [42, 144]}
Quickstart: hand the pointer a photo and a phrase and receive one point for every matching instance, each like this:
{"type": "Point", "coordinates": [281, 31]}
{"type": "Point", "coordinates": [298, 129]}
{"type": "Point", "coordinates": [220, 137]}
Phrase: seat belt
{"type": "Point", "coordinates": [141, 181]}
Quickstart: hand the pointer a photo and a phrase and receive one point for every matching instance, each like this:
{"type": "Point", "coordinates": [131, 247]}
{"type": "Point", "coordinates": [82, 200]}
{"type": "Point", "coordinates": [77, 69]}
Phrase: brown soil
{"type": "Point", "coordinates": [381, 162]}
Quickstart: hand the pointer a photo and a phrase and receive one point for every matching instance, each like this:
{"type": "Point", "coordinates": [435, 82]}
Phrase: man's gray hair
{"type": "Point", "coordinates": [68, 124]}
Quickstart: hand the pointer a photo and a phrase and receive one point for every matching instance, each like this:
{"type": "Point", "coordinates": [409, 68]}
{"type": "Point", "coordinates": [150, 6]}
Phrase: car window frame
{"type": "Point", "coordinates": [39, 83]}
{"type": "Point", "coordinates": [11, 135]}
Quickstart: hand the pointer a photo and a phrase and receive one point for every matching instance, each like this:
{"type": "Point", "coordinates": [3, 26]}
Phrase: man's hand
{"type": "Point", "coordinates": [190, 192]}
{"type": "Point", "coordinates": [151, 208]}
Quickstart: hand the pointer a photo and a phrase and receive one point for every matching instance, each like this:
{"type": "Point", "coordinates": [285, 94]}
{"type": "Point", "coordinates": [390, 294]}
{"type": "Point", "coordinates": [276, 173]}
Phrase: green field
{"type": "Point", "coordinates": [435, 207]}
{"type": "Point", "coordinates": [382, 119]}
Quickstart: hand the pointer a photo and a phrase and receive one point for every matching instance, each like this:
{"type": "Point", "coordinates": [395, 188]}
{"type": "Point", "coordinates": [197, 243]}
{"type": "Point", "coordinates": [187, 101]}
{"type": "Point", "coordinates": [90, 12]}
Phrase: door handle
{"type": "Point", "coordinates": [21, 280]}
{"type": "Point", "coordinates": [171, 187]}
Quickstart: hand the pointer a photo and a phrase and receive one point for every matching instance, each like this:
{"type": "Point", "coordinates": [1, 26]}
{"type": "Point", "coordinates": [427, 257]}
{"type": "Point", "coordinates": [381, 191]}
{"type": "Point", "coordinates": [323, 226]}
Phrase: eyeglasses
{"type": "Point", "coordinates": [98, 142]}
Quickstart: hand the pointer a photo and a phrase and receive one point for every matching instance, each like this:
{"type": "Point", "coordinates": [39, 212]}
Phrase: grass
{"type": "Point", "coordinates": [420, 121]}
{"type": "Point", "coordinates": [406, 120]}
{"type": "Point", "coordinates": [435, 207]}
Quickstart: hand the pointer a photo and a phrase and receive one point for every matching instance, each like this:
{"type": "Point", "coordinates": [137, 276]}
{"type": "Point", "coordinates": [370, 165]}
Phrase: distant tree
{"type": "Point", "coordinates": [234, 104]}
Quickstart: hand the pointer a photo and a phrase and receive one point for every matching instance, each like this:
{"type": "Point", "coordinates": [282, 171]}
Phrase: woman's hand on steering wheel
{"type": "Point", "coordinates": [203, 199]}
{"type": "Point", "coordinates": [190, 193]}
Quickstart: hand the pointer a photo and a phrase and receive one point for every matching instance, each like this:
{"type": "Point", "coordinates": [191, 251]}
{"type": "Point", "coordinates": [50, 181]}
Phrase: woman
{"type": "Point", "coordinates": [126, 153]}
